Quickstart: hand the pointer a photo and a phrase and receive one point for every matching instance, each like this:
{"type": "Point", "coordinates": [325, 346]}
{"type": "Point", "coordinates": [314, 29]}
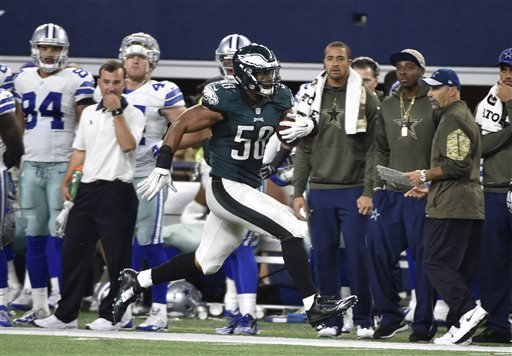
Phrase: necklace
{"type": "Point", "coordinates": [405, 113]}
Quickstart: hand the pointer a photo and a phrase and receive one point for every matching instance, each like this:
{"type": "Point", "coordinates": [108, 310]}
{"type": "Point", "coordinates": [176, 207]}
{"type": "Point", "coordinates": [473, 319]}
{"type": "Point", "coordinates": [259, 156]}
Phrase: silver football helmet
{"type": "Point", "coordinates": [50, 35]}
{"type": "Point", "coordinates": [226, 50]}
{"type": "Point", "coordinates": [140, 43]}
{"type": "Point", "coordinates": [183, 298]}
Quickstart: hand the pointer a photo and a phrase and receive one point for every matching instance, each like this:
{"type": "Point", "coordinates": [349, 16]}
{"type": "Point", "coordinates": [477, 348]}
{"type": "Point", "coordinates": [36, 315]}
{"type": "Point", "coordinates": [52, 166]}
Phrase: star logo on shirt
{"type": "Point", "coordinates": [334, 114]}
{"type": "Point", "coordinates": [411, 124]}
{"type": "Point", "coordinates": [375, 215]}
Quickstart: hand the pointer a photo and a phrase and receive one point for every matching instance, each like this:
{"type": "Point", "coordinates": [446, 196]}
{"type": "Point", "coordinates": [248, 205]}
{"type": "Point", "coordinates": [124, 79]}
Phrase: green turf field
{"type": "Point", "coordinates": [189, 336]}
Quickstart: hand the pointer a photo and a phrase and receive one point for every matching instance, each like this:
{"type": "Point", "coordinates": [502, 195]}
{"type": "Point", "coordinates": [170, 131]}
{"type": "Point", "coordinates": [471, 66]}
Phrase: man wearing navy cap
{"type": "Point", "coordinates": [493, 116]}
{"type": "Point", "coordinates": [455, 208]}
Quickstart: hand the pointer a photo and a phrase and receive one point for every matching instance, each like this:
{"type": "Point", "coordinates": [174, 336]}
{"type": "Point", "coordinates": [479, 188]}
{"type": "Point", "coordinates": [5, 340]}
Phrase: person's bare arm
{"type": "Point", "coordinates": [192, 139]}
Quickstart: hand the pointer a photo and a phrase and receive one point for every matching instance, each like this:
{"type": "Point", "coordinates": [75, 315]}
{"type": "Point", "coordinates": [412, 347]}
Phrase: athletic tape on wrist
{"type": "Point", "coordinates": [164, 159]}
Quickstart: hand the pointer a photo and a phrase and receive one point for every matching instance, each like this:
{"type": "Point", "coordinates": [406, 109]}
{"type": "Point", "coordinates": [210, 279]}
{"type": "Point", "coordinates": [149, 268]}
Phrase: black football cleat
{"type": "Point", "coordinates": [129, 290]}
{"type": "Point", "coordinates": [325, 307]}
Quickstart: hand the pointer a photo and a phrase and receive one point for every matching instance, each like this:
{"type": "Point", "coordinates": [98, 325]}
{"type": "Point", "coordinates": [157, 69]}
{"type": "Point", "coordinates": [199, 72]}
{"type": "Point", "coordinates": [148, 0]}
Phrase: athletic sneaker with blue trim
{"type": "Point", "coordinates": [247, 325]}
{"type": "Point", "coordinates": [157, 321]}
{"type": "Point", "coordinates": [230, 329]}
{"type": "Point", "coordinates": [30, 316]}
{"type": "Point", "coordinates": [5, 318]}
{"type": "Point", "coordinates": [23, 301]}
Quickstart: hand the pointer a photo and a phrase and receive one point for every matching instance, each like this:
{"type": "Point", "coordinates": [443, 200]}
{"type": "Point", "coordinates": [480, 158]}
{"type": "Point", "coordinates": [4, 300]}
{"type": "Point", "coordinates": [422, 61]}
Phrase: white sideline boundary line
{"type": "Point", "coordinates": [255, 340]}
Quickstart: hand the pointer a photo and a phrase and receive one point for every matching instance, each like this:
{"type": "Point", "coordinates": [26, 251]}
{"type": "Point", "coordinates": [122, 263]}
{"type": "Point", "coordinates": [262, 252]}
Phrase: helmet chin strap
{"type": "Point", "coordinates": [48, 68]}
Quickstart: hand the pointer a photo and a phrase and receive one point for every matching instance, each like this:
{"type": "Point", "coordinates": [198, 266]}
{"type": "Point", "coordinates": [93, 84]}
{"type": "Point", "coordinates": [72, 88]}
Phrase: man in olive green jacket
{"type": "Point", "coordinates": [493, 116]}
{"type": "Point", "coordinates": [455, 208]}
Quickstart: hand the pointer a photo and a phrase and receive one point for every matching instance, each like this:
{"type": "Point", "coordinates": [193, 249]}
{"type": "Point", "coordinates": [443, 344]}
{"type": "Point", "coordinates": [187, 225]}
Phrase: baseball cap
{"type": "Point", "coordinates": [443, 76]}
{"type": "Point", "coordinates": [505, 57]}
{"type": "Point", "coordinates": [410, 55]}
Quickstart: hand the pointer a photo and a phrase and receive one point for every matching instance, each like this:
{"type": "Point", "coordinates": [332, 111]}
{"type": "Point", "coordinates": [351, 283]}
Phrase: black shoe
{"type": "Point", "coordinates": [420, 337]}
{"type": "Point", "coordinates": [388, 331]}
{"type": "Point", "coordinates": [129, 290]}
{"type": "Point", "coordinates": [492, 335]}
{"type": "Point", "coordinates": [325, 307]}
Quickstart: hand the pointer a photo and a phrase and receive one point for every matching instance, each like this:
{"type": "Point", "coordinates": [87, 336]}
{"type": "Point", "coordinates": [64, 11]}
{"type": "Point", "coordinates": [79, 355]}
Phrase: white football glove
{"type": "Point", "coordinates": [159, 178]}
{"type": "Point", "coordinates": [300, 127]}
{"type": "Point", "coordinates": [62, 218]}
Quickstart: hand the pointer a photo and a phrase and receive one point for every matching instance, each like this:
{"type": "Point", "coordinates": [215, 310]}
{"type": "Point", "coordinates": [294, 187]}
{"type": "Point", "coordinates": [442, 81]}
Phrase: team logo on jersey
{"type": "Point", "coordinates": [210, 96]}
{"type": "Point", "coordinates": [411, 126]}
{"type": "Point", "coordinates": [256, 119]}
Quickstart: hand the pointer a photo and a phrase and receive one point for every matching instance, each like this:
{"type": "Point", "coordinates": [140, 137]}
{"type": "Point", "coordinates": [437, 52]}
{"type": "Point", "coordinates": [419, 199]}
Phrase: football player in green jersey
{"type": "Point", "coordinates": [242, 117]}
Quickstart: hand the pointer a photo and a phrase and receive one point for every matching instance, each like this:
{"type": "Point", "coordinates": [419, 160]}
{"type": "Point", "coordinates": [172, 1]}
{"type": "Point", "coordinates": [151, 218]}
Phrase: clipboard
{"type": "Point", "coordinates": [393, 176]}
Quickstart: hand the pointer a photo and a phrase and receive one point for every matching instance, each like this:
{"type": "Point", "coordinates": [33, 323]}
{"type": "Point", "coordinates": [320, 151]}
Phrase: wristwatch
{"type": "Point", "coordinates": [116, 112]}
{"type": "Point", "coordinates": [423, 176]}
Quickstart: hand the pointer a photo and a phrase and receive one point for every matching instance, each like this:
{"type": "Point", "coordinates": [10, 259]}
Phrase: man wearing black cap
{"type": "Point", "coordinates": [493, 116]}
{"type": "Point", "coordinates": [455, 208]}
{"type": "Point", "coordinates": [403, 142]}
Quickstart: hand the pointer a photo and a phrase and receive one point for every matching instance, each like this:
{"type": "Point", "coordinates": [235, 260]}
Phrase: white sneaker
{"type": "Point", "coordinates": [30, 316]}
{"type": "Point", "coordinates": [23, 301]}
{"type": "Point", "coordinates": [447, 339]}
{"type": "Point", "coordinates": [157, 321]}
{"type": "Point", "coordinates": [328, 331]}
{"type": "Point", "coordinates": [364, 333]}
{"type": "Point", "coordinates": [53, 323]}
{"type": "Point", "coordinates": [469, 322]}
{"type": "Point", "coordinates": [102, 324]}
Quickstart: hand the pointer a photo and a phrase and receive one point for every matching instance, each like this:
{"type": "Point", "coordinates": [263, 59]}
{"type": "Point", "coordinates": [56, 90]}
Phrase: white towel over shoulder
{"type": "Point", "coordinates": [309, 103]}
{"type": "Point", "coordinates": [489, 113]}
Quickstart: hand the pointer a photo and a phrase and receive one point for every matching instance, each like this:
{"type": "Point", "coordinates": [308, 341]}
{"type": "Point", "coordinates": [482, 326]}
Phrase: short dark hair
{"type": "Point", "coordinates": [364, 62]}
{"type": "Point", "coordinates": [340, 45]}
{"type": "Point", "coordinates": [111, 66]}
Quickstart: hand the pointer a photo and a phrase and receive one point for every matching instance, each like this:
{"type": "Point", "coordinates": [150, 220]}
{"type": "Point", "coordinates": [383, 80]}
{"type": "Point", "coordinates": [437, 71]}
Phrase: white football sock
{"type": "Point", "coordinates": [231, 297]}
{"type": "Point", "coordinates": [40, 298]}
{"type": "Point", "coordinates": [247, 304]}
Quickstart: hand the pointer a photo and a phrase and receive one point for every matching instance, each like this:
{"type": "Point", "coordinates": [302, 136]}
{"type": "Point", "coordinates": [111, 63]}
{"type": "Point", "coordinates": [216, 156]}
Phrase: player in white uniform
{"type": "Point", "coordinates": [5, 77]}
{"type": "Point", "coordinates": [161, 103]}
{"type": "Point", "coordinates": [52, 98]}
{"type": "Point", "coordinates": [14, 284]}
{"type": "Point", "coordinates": [11, 149]}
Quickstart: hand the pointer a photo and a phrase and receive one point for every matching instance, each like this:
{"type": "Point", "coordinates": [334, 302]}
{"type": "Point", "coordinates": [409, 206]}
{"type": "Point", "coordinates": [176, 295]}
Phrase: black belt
{"type": "Point", "coordinates": [103, 182]}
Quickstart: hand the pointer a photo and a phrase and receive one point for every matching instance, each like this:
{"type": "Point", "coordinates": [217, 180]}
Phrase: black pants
{"type": "Point", "coordinates": [451, 258]}
{"type": "Point", "coordinates": [103, 210]}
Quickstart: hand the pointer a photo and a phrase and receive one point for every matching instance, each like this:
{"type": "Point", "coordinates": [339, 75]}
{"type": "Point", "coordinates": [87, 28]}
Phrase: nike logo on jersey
{"type": "Point", "coordinates": [256, 119]}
